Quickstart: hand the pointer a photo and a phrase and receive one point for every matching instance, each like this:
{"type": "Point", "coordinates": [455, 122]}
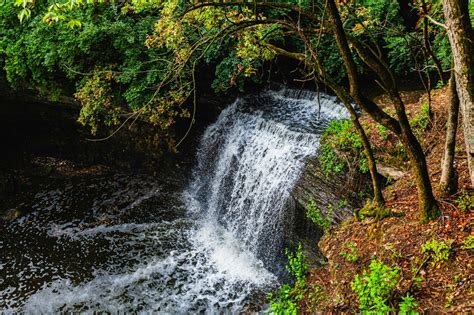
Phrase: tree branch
{"type": "Point", "coordinates": [435, 22]}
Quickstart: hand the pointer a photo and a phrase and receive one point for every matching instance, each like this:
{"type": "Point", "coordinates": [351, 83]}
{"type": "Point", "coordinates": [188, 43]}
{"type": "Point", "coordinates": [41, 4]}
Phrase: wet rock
{"type": "Point", "coordinates": [337, 194]}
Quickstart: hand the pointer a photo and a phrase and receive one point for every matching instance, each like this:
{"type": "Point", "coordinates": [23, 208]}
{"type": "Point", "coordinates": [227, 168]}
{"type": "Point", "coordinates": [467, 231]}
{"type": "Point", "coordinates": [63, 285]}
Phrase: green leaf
{"type": "Point", "coordinates": [74, 23]}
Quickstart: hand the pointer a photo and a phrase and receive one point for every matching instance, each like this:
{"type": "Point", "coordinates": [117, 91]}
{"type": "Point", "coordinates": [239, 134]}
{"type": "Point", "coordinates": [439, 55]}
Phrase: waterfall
{"type": "Point", "coordinates": [250, 159]}
{"type": "Point", "coordinates": [126, 243]}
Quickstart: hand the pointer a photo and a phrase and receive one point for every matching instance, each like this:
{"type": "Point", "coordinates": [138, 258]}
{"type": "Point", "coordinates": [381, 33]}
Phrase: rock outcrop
{"type": "Point", "coordinates": [336, 194]}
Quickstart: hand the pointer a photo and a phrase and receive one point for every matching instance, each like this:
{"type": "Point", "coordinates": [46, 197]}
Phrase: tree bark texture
{"type": "Point", "coordinates": [427, 203]}
{"type": "Point", "coordinates": [448, 181]}
{"type": "Point", "coordinates": [461, 38]}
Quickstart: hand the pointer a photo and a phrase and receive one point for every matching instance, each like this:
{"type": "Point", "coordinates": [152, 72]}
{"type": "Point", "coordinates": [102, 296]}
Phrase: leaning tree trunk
{"type": "Point", "coordinates": [461, 38]}
{"type": "Point", "coordinates": [427, 203]}
{"type": "Point", "coordinates": [374, 175]}
{"type": "Point", "coordinates": [448, 181]}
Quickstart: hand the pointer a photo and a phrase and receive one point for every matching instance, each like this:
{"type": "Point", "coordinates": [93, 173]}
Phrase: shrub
{"type": "Point", "coordinates": [468, 243]}
{"type": "Point", "coordinates": [342, 203]}
{"type": "Point", "coordinates": [422, 119]}
{"type": "Point", "coordinates": [465, 202]}
{"type": "Point", "coordinates": [315, 214]}
{"type": "Point", "coordinates": [340, 145]}
{"type": "Point", "coordinates": [408, 306]}
{"type": "Point", "coordinates": [438, 250]}
{"type": "Point", "coordinates": [350, 253]}
{"type": "Point", "coordinates": [297, 265]}
{"type": "Point", "coordinates": [286, 300]}
{"type": "Point", "coordinates": [383, 132]}
{"type": "Point", "coordinates": [375, 288]}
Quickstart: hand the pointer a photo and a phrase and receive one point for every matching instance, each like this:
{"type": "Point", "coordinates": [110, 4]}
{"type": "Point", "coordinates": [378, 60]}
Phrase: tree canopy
{"type": "Point", "coordinates": [139, 58]}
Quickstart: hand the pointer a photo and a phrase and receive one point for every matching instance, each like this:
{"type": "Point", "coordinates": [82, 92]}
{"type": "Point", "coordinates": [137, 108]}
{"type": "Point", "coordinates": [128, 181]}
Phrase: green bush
{"type": "Point", "coordinates": [297, 265]}
{"type": "Point", "coordinates": [315, 214]}
{"type": "Point", "coordinates": [437, 250]}
{"type": "Point", "coordinates": [408, 305]}
{"type": "Point", "coordinates": [468, 243]}
{"type": "Point", "coordinates": [350, 252]}
{"type": "Point", "coordinates": [422, 119]}
{"type": "Point", "coordinates": [375, 288]}
{"type": "Point", "coordinates": [340, 143]}
{"type": "Point", "coordinates": [465, 202]}
{"type": "Point", "coordinates": [285, 301]}
{"type": "Point", "coordinates": [383, 131]}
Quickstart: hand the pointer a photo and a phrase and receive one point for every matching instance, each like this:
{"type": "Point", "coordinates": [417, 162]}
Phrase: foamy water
{"type": "Point", "coordinates": [122, 243]}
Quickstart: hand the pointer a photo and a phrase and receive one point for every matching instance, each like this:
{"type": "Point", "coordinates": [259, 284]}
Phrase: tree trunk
{"type": "Point", "coordinates": [427, 44]}
{"type": "Point", "coordinates": [374, 175]}
{"type": "Point", "coordinates": [461, 38]}
{"type": "Point", "coordinates": [427, 203]}
{"type": "Point", "coordinates": [346, 99]}
{"type": "Point", "coordinates": [355, 93]}
{"type": "Point", "coordinates": [448, 181]}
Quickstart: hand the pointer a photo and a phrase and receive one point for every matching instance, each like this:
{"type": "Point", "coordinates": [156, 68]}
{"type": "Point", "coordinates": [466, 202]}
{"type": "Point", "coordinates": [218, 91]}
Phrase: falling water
{"type": "Point", "coordinates": [250, 159]}
{"type": "Point", "coordinates": [124, 242]}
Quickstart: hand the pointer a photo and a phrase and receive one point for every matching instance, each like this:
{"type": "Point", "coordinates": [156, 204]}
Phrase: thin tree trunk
{"type": "Point", "coordinates": [448, 181]}
{"type": "Point", "coordinates": [427, 203]}
{"type": "Point", "coordinates": [346, 99]}
{"type": "Point", "coordinates": [374, 175]}
{"type": "Point", "coordinates": [427, 44]}
{"type": "Point", "coordinates": [461, 38]}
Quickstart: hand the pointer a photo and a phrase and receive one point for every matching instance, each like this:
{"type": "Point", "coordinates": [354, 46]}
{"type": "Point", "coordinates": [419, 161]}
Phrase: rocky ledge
{"type": "Point", "coordinates": [337, 194]}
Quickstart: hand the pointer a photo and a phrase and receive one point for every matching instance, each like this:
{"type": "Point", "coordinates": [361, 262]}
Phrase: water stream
{"type": "Point", "coordinates": [125, 242]}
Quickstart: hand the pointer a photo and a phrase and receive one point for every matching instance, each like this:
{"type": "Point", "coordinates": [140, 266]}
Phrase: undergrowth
{"type": "Point", "coordinates": [465, 202]}
{"type": "Point", "coordinates": [350, 252]}
{"type": "Point", "coordinates": [285, 301]}
{"type": "Point", "coordinates": [438, 251]}
{"type": "Point", "coordinates": [341, 147]}
{"type": "Point", "coordinates": [468, 243]}
{"type": "Point", "coordinates": [315, 214]}
{"type": "Point", "coordinates": [376, 290]}
{"type": "Point", "coordinates": [421, 121]}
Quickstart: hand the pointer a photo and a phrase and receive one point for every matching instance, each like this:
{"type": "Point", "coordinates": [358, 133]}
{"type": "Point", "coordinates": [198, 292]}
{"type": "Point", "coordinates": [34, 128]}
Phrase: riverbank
{"type": "Point", "coordinates": [433, 262]}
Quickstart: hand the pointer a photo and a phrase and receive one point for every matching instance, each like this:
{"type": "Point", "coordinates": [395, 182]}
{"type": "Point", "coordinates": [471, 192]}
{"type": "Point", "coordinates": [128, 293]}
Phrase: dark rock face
{"type": "Point", "coordinates": [339, 194]}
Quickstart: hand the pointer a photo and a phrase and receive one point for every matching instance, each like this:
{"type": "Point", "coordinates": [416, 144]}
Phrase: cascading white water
{"type": "Point", "coordinates": [250, 159]}
{"type": "Point", "coordinates": [126, 243]}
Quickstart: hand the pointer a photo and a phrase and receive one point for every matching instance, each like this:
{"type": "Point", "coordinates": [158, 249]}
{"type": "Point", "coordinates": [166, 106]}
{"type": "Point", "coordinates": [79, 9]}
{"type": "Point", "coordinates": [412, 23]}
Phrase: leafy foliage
{"type": "Point", "coordinates": [315, 214]}
{"type": "Point", "coordinates": [286, 299]}
{"type": "Point", "coordinates": [383, 132]}
{"type": "Point", "coordinates": [376, 287]}
{"type": "Point", "coordinates": [341, 145]}
{"type": "Point", "coordinates": [53, 40]}
{"type": "Point", "coordinates": [468, 243]}
{"type": "Point", "coordinates": [408, 305]}
{"type": "Point", "coordinates": [104, 62]}
{"type": "Point", "coordinates": [97, 100]}
{"type": "Point", "coordinates": [297, 264]}
{"type": "Point", "coordinates": [465, 202]}
{"type": "Point", "coordinates": [422, 119]}
{"type": "Point", "coordinates": [437, 250]}
{"type": "Point", "coordinates": [350, 252]}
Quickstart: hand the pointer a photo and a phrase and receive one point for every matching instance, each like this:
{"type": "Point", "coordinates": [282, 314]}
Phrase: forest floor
{"type": "Point", "coordinates": [443, 286]}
